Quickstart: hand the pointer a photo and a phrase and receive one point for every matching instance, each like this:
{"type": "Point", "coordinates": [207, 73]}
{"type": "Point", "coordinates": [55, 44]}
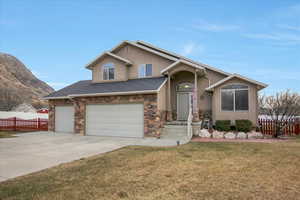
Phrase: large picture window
{"type": "Point", "coordinates": [145, 70]}
{"type": "Point", "coordinates": [235, 98]}
{"type": "Point", "coordinates": [108, 71]}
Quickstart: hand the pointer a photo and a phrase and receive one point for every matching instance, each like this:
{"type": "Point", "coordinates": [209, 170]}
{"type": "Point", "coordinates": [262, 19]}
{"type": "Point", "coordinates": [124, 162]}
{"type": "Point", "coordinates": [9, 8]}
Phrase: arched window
{"type": "Point", "coordinates": [185, 87]}
{"type": "Point", "coordinates": [235, 97]}
{"type": "Point", "coordinates": [108, 71]}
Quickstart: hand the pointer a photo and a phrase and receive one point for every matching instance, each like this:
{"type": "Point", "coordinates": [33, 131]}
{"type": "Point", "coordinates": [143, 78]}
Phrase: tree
{"type": "Point", "coordinates": [280, 107]}
{"type": "Point", "coordinates": [9, 98]}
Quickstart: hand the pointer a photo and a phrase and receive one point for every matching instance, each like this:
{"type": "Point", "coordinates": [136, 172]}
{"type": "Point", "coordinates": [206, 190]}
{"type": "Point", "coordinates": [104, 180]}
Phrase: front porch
{"type": "Point", "coordinates": [183, 92]}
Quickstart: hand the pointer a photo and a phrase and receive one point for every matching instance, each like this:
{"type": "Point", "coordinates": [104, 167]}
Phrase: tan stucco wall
{"type": "Point", "coordinates": [139, 56]}
{"type": "Point", "coordinates": [205, 98]}
{"type": "Point", "coordinates": [251, 115]}
{"type": "Point", "coordinates": [121, 70]}
{"type": "Point", "coordinates": [161, 98]}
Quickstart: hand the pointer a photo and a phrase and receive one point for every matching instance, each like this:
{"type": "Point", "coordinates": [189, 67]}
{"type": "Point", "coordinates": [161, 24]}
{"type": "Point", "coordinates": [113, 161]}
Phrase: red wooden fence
{"type": "Point", "coordinates": [292, 126]}
{"type": "Point", "coordinates": [16, 124]}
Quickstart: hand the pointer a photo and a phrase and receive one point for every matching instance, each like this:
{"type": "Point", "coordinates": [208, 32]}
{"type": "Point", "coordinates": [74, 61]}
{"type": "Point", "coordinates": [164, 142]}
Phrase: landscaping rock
{"type": "Point", "coordinates": [241, 135]}
{"type": "Point", "coordinates": [255, 135]}
{"type": "Point", "coordinates": [229, 135]}
{"type": "Point", "coordinates": [204, 133]}
{"type": "Point", "coordinates": [218, 134]}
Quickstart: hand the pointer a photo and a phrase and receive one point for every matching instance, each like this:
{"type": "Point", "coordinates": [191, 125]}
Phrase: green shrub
{"type": "Point", "coordinates": [223, 125]}
{"type": "Point", "coordinates": [243, 125]}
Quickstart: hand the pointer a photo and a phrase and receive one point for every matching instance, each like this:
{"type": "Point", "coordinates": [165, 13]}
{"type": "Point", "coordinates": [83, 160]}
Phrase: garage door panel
{"type": "Point", "coordinates": [64, 119]}
{"type": "Point", "coordinates": [125, 120]}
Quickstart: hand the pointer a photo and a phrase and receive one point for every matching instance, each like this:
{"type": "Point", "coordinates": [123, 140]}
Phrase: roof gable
{"type": "Point", "coordinates": [182, 57]}
{"type": "Point", "coordinates": [181, 62]}
{"type": "Point", "coordinates": [106, 53]}
{"type": "Point", "coordinates": [122, 44]}
{"type": "Point", "coordinates": [211, 88]}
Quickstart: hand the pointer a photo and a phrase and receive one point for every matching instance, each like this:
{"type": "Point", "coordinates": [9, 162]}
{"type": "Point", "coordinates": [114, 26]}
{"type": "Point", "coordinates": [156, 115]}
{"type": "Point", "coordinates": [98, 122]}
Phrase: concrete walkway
{"type": "Point", "coordinates": [31, 152]}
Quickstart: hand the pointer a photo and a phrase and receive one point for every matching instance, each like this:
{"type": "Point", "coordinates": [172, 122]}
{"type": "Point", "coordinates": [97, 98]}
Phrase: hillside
{"type": "Point", "coordinates": [18, 84]}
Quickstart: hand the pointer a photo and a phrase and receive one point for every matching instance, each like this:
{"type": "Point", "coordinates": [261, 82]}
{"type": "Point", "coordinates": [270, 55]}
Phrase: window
{"type": "Point", "coordinates": [185, 87]}
{"type": "Point", "coordinates": [235, 98]}
{"type": "Point", "coordinates": [108, 71]}
{"type": "Point", "coordinates": [145, 70]}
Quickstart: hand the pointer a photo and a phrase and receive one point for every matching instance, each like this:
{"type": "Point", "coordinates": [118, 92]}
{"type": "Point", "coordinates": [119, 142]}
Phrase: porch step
{"type": "Point", "coordinates": [174, 131]}
{"type": "Point", "coordinates": [182, 123]}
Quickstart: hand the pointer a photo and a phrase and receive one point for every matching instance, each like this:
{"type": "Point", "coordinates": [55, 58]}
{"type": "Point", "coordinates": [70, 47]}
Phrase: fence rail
{"type": "Point", "coordinates": [16, 124]}
{"type": "Point", "coordinates": [291, 127]}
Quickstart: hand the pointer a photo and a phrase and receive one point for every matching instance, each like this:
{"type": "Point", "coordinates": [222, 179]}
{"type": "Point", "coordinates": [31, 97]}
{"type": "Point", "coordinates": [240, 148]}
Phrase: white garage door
{"type": "Point", "coordinates": [124, 120]}
{"type": "Point", "coordinates": [64, 119]}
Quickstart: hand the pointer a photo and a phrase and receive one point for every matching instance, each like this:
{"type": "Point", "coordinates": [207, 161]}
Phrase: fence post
{"type": "Point", "coordinates": [39, 123]}
{"type": "Point", "coordinates": [15, 123]}
{"type": "Point", "coordinates": [297, 124]}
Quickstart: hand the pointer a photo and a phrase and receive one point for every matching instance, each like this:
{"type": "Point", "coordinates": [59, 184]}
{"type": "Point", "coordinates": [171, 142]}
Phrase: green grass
{"type": "Point", "coordinates": [192, 171]}
{"type": "Point", "coordinates": [7, 134]}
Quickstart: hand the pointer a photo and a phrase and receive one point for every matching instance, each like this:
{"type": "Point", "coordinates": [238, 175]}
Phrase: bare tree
{"type": "Point", "coordinates": [280, 107]}
{"type": "Point", "coordinates": [9, 98]}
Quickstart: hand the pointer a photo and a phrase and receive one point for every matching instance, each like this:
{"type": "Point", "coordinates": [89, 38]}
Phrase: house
{"type": "Point", "coordinates": [137, 87]}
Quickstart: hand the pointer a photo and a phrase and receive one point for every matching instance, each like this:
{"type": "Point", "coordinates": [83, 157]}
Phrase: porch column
{"type": "Point", "coordinates": [169, 106]}
{"type": "Point", "coordinates": [195, 98]}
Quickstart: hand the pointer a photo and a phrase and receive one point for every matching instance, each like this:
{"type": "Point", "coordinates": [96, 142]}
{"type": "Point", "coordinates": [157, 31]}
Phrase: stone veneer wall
{"type": "Point", "coordinates": [153, 119]}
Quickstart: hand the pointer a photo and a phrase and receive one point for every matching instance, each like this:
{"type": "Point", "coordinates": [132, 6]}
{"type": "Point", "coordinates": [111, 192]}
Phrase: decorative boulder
{"type": "Point", "coordinates": [255, 135]}
{"type": "Point", "coordinates": [229, 135]}
{"type": "Point", "coordinates": [204, 133]}
{"type": "Point", "coordinates": [241, 135]}
{"type": "Point", "coordinates": [218, 134]}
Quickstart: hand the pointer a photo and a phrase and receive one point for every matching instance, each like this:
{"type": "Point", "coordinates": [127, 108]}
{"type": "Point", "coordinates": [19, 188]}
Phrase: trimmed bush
{"type": "Point", "coordinates": [243, 125]}
{"type": "Point", "coordinates": [223, 125]}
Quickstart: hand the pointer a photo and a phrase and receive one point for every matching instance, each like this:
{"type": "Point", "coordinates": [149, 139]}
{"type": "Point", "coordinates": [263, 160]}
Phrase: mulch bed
{"type": "Point", "coordinates": [267, 140]}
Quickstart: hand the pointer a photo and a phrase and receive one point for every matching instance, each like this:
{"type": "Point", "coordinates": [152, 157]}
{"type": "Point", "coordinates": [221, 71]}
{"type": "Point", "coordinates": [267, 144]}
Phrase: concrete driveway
{"type": "Point", "coordinates": [31, 152]}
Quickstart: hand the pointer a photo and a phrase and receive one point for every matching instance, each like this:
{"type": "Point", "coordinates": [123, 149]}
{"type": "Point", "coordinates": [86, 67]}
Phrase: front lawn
{"type": "Point", "coordinates": [7, 134]}
{"type": "Point", "coordinates": [192, 171]}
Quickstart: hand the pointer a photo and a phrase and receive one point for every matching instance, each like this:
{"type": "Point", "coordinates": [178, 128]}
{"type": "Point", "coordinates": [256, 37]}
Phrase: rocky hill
{"type": "Point", "coordinates": [19, 85]}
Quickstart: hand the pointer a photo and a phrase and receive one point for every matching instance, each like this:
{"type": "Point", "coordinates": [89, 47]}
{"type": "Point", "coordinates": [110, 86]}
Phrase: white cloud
{"type": "Point", "coordinates": [285, 38]}
{"type": "Point", "coordinates": [205, 26]}
{"type": "Point", "coordinates": [191, 48]}
{"type": "Point", "coordinates": [289, 27]}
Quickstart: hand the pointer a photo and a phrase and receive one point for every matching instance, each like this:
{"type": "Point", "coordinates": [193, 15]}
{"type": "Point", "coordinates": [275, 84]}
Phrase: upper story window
{"type": "Point", "coordinates": [145, 70]}
{"type": "Point", "coordinates": [108, 71]}
{"type": "Point", "coordinates": [235, 98]}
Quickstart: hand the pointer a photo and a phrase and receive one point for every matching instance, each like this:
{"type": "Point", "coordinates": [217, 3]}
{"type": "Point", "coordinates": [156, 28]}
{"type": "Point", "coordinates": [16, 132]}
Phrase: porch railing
{"type": "Point", "coordinates": [189, 121]}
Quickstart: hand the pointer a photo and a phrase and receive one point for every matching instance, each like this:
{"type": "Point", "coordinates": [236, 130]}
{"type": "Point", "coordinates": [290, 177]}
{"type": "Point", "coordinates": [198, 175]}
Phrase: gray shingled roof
{"type": "Point", "coordinates": [87, 87]}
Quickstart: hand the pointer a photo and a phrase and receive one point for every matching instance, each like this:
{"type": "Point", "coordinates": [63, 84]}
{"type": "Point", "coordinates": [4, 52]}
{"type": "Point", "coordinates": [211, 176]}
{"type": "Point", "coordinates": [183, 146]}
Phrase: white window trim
{"type": "Point", "coordinates": [233, 90]}
{"type": "Point", "coordinates": [108, 66]}
{"type": "Point", "coordinates": [145, 69]}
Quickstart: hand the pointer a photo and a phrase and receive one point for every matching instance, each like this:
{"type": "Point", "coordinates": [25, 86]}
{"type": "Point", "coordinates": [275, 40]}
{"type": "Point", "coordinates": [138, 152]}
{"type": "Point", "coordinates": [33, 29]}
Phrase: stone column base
{"type": "Point", "coordinates": [169, 116]}
{"type": "Point", "coordinates": [196, 117]}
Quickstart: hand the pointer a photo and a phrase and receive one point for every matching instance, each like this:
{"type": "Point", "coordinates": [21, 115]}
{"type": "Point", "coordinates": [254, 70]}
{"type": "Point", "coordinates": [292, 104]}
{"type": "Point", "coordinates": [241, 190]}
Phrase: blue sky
{"type": "Point", "coordinates": [55, 39]}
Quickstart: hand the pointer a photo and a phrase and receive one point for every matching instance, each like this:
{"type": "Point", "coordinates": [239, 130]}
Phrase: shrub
{"type": "Point", "coordinates": [223, 125]}
{"type": "Point", "coordinates": [243, 125]}
{"type": "Point", "coordinates": [232, 128]}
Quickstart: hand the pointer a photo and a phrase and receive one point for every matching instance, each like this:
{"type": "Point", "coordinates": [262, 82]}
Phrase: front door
{"type": "Point", "coordinates": [183, 99]}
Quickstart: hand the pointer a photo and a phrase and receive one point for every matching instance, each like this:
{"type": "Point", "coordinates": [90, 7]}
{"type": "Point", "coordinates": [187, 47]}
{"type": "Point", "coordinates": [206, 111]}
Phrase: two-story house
{"type": "Point", "coordinates": [136, 88]}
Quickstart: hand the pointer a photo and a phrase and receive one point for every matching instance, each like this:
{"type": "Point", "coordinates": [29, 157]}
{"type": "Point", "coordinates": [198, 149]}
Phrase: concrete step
{"type": "Point", "coordinates": [182, 123]}
{"type": "Point", "coordinates": [177, 123]}
{"type": "Point", "coordinates": [174, 127]}
{"type": "Point", "coordinates": [174, 131]}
